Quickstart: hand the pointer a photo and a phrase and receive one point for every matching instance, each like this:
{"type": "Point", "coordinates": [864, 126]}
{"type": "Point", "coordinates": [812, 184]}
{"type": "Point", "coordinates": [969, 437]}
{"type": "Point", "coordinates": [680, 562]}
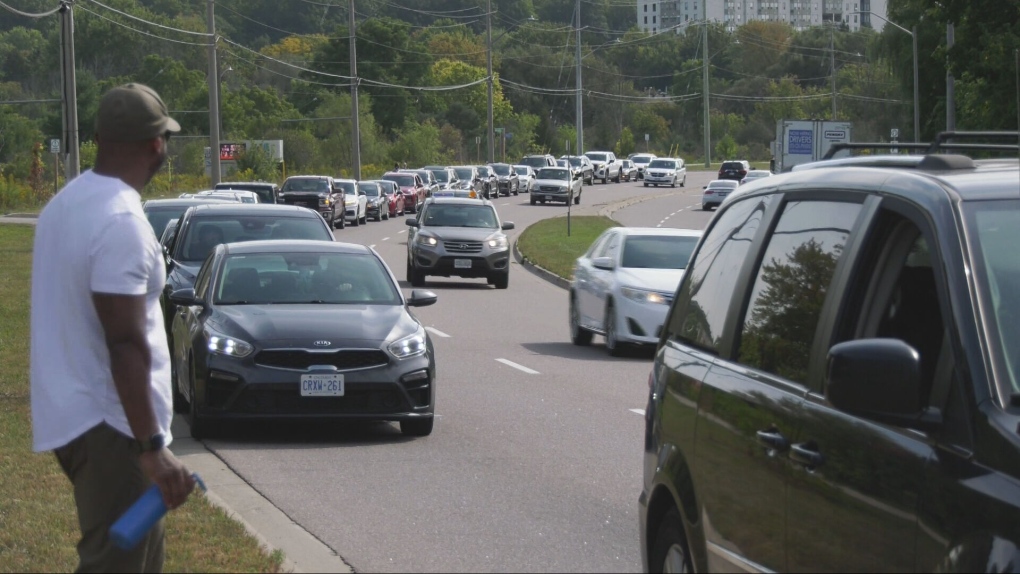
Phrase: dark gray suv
{"type": "Point", "coordinates": [836, 385]}
{"type": "Point", "coordinates": [458, 238]}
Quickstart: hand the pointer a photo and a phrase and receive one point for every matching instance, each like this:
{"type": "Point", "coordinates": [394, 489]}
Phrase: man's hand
{"type": "Point", "coordinates": [172, 477]}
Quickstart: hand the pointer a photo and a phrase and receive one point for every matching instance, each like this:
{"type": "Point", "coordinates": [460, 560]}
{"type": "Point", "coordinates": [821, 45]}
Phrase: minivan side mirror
{"type": "Point", "coordinates": [880, 380]}
{"type": "Point", "coordinates": [606, 263]}
{"type": "Point", "coordinates": [507, 225]}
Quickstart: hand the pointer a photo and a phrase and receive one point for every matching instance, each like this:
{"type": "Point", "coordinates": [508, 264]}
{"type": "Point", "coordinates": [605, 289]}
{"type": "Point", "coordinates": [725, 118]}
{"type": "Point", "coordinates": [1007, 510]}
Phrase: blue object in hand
{"type": "Point", "coordinates": [136, 522]}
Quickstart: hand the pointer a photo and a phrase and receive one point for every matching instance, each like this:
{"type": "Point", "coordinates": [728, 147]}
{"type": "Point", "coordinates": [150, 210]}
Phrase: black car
{"type": "Point", "coordinates": [468, 178]}
{"type": "Point", "coordinates": [301, 330]}
{"type": "Point", "coordinates": [159, 212]}
{"type": "Point", "coordinates": [377, 207]}
{"type": "Point", "coordinates": [268, 192]}
{"type": "Point", "coordinates": [490, 183]}
{"type": "Point", "coordinates": [735, 169]}
{"type": "Point", "coordinates": [205, 226]}
{"type": "Point", "coordinates": [507, 182]}
{"type": "Point", "coordinates": [318, 193]}
{"type": "Point", "coordinates": [835, 387]}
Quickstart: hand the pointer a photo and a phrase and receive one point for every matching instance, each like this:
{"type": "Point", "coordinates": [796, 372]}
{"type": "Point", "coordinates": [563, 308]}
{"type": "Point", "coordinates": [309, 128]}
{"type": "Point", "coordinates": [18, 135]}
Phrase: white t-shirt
{"type": "Point", "coordinates": [92, 237]}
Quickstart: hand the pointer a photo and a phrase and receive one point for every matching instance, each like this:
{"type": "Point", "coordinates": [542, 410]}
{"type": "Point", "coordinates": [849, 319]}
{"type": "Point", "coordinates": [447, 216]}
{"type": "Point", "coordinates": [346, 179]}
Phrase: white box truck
{"type": "Point", "coordinates": [802, 141]}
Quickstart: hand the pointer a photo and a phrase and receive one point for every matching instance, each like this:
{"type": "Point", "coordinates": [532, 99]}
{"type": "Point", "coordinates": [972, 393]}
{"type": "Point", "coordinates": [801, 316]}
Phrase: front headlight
{"type": "Point", "coordinates": [498, 243]}
{"type": "Point", "coordinates": [425, 240]}
{"type": "Point", "coordinates": [643, 296]}
{"type": "Point", "coordinates": [224, 345]}
{"type": "Point", "coordinates": [410, 346]}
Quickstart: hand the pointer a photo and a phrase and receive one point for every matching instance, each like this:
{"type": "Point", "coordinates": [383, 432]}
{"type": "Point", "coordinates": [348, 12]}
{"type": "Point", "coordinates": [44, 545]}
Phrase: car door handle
{"type": "Point", "coordinates": [773, 439]}
{"type": "Point", "coordinates": [807, 454]}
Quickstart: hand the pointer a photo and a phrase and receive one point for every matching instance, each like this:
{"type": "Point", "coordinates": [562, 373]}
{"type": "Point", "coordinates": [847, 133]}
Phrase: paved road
{"type": "Point", "coordinates": [534, 464]}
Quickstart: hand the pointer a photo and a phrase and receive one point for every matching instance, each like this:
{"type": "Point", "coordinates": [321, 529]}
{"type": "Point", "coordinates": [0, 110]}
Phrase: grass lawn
{"type": "Point", "coordinates": [38, 522]}
{"type": "Point", "coordinates": [547, 245]}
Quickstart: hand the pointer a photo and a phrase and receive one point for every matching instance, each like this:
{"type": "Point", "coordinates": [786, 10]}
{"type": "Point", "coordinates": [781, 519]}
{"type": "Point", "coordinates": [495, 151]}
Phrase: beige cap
{"type": "Point", "coordinates": [133, 112]}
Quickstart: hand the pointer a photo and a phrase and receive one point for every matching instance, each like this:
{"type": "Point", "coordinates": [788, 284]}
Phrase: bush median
{"type": "Point", "coordinates": [38, 521]}
{"type": "Point", "coordinates": [547, 244]}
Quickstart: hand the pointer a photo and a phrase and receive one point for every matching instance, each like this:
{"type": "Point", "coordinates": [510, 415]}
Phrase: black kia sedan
{"type": "Point", "coordinates": [203, 227]}
{"type": "Point", "coordinates": [301, 330]}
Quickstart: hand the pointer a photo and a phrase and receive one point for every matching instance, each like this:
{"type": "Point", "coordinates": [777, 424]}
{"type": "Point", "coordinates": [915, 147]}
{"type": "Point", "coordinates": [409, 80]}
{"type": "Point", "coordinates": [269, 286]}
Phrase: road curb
{"type": "Point", "coordinates": [605, 211]}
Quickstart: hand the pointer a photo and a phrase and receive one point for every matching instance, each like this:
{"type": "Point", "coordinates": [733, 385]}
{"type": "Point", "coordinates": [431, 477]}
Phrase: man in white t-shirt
{"type": "Point", "coordinates": [100, 366]}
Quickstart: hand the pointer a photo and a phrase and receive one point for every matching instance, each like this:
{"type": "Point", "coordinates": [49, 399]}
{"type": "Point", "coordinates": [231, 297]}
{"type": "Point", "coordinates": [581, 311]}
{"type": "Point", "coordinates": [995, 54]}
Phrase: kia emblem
{"type": "Point", "coordinates": [322, 343]}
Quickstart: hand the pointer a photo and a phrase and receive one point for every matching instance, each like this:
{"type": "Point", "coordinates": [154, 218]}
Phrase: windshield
{"type": "Point", "coordinates": [596, 156]}
{"type": "Point", "coordinates": [442, 176]}
{"type": "Point", "coordinates": [575, 161]}
{"type": "Point", "coordinates": [641, 159]}
{"type": "Point", "coordinates": [204, 233]}
{"type": "Point", "coordinates": [458, 215]}
{"type": "Point", "coordinates": [994, 233]}
{"type": "Point", "coordinates": [401, 180]}
{"type": "Point", "coordinates": [463, 172]}
{"type": "Point", "coordinates": [501, 169]}
{"type": "Point", "coordinates": [306, 184]}
{"type": "Point", "coordinates": [370, 189]}
{"type": "Point", "coordinates": [159, 216]}
{"type": "Point", "coordinates": [662, 164]}
{"type": "Point", "coordinates": [349, 187]}
{"type": "Point", "coordinates": [658, 251]}
{"type": "Point", "coordinates": [553, 173]}
{"type": "Point", "coordinates": [296, 278]}
{"type": "Point", "coordinates": [523, 170]}
{"type": "Point", "coordinates": [484, 171]}
{"type": "Point", "coordinates": [535, 162]}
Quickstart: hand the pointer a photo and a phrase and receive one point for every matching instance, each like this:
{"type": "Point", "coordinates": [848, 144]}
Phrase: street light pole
{"type": "Point", "coordinates": [72, 167]}
{"type": "Point", "coordinates": [488, 69]}
{"type": "Point", "coordinates": [832, 65]}
{"type": "Point", "coordinates": [704, 86]}
{"type": "Point", "coordinates": [950, 81]}
{"type": "Point", "coordinates": [214, 97]}
{"type": "Point", "coordinates": [580, 104]}
{"type": "Point", "coordinates": [913, 38]}
{"type": "Point", "coordinates": [355, 124]}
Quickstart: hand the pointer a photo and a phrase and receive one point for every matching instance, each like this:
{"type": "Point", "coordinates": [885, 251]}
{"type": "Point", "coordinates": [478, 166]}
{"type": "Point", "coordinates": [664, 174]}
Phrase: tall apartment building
{"type": "Point", "coordinates": [657, 16]}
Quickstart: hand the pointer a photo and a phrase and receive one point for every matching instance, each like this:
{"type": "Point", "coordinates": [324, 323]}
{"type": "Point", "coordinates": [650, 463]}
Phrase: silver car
{"type": "Point", "coordinates": [624, 284]}
{"type": "Point", "coordinates": [556, 184]}
{"type": "Point", "coordinates": [716, 191]}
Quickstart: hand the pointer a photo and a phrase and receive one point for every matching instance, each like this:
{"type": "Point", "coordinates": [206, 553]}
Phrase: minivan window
{"type": "Point", "coordinates": [662, 164]}
{"type": "Point", "coordinates": [703, 301]}
{"type": "Point", "coordinates": [791, 284]}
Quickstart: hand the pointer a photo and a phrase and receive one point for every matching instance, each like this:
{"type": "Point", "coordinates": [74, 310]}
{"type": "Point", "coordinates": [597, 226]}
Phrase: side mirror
{"type": "Point", "coordinates": [879, 379]}
{"type": "Point", "coordinates": [411, 222]}
{"type": "Point", "coordinates": [507, 225]}
{"type": "Point", "coordinates": [184, 298]}
{"type": "Point", "coordinates": [606, 263]}
{"type": "Point", "coordinates": [421, 298]}
{"type": "Point", "coordinates": [704, 187]}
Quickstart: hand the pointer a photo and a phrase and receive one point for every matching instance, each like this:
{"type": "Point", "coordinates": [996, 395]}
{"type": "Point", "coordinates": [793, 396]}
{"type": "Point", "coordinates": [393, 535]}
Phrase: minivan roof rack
{"type": "Point", "coordinates": [943, 141]}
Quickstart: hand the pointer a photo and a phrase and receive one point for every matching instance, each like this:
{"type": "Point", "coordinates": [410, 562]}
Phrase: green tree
{"type": "Point", "coordinates": [625, 146]}
{"type": "Point", "coordinates": [726, 147]}
{"type": "Point", "coordinates": [417, 144]}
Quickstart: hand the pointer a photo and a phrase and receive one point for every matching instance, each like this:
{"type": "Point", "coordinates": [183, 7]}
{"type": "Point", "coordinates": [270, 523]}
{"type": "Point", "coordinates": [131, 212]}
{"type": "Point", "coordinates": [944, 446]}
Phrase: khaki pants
{"type": "Point", "coordinates": [104, 470]}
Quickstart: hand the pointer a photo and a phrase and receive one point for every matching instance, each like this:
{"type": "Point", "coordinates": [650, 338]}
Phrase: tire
{"type": "Point", "coordinates": [705, 207]}
{"type": "Point", "coordinates": [683, 182]}
{"type": "Point", "coordinates": [613, 345]}
{"type": "Point", "coordinates": [577, 198]}
{"type": "Point", "coordinates": [357, 220]}
{"type": "Point", "coordinates": [669, 550]}
{"type": "Point", "coordinates": [617, 178]}
{"type": "Point", "coordinates": [605, 180]}
{"type": "Point", "coordinates": [646, 184]}
{"type": "Point", "coordinates": [533, 202]}
{"type": "Point", "coordinates": [415, 277]}
{"type": "Point", "coordinates": [200, 427]}
{"type": "Point", "coordinates": [417, 427]}
{"type": "Point", "coordinates": [378, 216]}
{"type": "Point", "coordinates": [342, 221]}
{"type": "Point", "coordinates": [674, 183]}
{"type": "Point", "coordinates": [502, 280]}
{"type": "Point", "coordinates": [517, 190]}
{"type": "Point", "coordinates": [180, 403]}
{"type": "Point", "coordinates": [364, 218]}
{"type": "Point", "coordinates": [578, 334]}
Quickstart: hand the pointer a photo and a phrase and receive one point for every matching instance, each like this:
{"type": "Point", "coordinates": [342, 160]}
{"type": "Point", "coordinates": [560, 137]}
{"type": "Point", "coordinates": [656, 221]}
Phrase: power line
{"type": "Point", "coordinates": [29, 14]}
{"type": "Point", "coordinates": [228, 9]}
{"type": "Point", "coordinates": [97, 15]}
{"type": "Point", "coordinates": [148, 21]}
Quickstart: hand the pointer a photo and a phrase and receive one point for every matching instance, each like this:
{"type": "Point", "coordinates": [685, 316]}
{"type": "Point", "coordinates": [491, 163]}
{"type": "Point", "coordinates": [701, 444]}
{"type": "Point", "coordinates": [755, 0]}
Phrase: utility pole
{"type": "Point", "coordinates": [214, 97]}
{"type": "Point", "coordinates": [704, 85]}
{"type": "Point", "coordinates": [355, 124]}
{"type": "Point", "coordinates": [950, 82]}
{"type": "Point", "coordinates": [580, 104]}
{"type": "Point", "coordinates": [832, 64]}
{"type": "Point", "coordinates": [488, 67]}
{"type": "Point", "coordinates": [72, 165]}
{"type": "Point", "coordinates": [917, 111]}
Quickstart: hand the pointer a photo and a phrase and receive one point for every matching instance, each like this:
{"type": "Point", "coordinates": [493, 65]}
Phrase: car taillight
{"type": "Point", "coordinates": [709, 192]}
{"type": "Point", "coordinates": [743, 172]}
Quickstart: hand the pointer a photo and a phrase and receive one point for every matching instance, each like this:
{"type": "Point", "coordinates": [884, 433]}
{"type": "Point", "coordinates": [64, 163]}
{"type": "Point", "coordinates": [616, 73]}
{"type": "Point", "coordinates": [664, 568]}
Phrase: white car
{"type": "Point", "coordinates": [232, 195]}
{"type": "Point", "coordinates": [624, 285]}
{"type": "Point", "coordinates": [666, 171]}
{"type": "Point", "coordinates": [716, 191]}
{"type": "Point", "coordinates": [556, 184]}
{"type": "Point", "coordinates": [754, 175]}
{"type": "Point", "coordinates": [641, 161]}
{"type": "Point", "coordinates": [526, 175]}
{"type": "Point", "coordinates": [355, 201]}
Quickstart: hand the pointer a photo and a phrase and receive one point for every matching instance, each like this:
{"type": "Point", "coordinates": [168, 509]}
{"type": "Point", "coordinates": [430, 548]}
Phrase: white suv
{"type": "Point", "coordinates": [605, 164]}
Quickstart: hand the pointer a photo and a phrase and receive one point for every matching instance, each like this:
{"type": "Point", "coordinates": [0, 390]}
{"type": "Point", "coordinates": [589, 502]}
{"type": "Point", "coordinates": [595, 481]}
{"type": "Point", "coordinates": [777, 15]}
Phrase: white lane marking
{"type": "Point", "coordinates": [507, 203]}
{"type": "Point", "coordinates": [437, 332]}
{"type": "Point", "coordinates": [402, 231]}
{"type": "Point", "coordinates": [518, 367]}
{"type": "Point", "coordinates": [638, 411]}
{"type": "Point", "coordinates": [385, 238]}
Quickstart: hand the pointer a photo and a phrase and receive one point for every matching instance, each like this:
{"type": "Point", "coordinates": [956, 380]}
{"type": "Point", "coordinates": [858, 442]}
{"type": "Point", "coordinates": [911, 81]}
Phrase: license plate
{"type": "Point", "coordinates": [322, 385]}
{"type": "Point", "coordinates": [462, 264]}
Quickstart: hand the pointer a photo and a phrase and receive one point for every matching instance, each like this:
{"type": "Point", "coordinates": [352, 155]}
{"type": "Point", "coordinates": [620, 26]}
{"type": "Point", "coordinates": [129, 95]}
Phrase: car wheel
{"type": "Point", "coordinates": [180, 403]}
{"type": "Point", "coordinates": [646, 184]}
{"type": "Point", "coordinates": [415, 277]}
{"type": "Point", "coordinates": [364, 218]}
{"type": "Point", "coordinates": [378, 216]}
{"type": "Point", "coordinates": [200, 427]}
{"type": "Point", "coordinates": [417, 427]}
{"type": "Point", "coordinates": [578, 334]}
{"type": "Point", "coordinates": [502, 280]}
{"type": "Point", "coordinates": [705, 207]}
{"type": "Point", "coordinates": [683, 182]}
{"type": "Point", "coordinates": [356, 221]}
{"type": "Point", "coordinates": [609, 324]}
{"type": "Point", "coordinates": [605, 180]}
{"type": "Point", "coordinates": [517, 190]}
{"type": "Point", "coordinates": [577, 198]}
{"type": "Point", "coordinates": [674, 183]}
{"type": "Point", "coordinates": [533, 201]}
{"type": "Point", "coordinates": [669, 551]}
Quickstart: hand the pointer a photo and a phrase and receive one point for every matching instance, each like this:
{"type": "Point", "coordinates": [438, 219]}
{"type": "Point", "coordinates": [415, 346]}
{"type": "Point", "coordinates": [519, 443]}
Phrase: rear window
{"type": "Point", "coordinates": [596, 156]}
{"type": "Point", "coordinates": [401, 180]}
{"type": "Point", "coordinates": [317, 185]}
{"type": "Point", "coordinates": [204, 233]}
{"type": "Point", "coordinates": [658, 251]}
{"type": "Point", "coordinates": [349, 187]}
{"type": "Point", "coordinates": [535, 162]}
{"type": "Point", "coordinates": [463, 172]}
{"type": "Point", "coordinates": [501, 169]}
{"type": "Point", "coordinates": [442, 176]}
{"type": "Point", "coordinates": [159, 216]}
{"type": "Point", "coordinates": [732, 165]}
{"type": "Point", "coordinates": [370, 189]}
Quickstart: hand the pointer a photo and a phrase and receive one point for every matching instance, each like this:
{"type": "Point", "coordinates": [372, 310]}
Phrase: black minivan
{"type": "Point", "coordinates": [837, 385]}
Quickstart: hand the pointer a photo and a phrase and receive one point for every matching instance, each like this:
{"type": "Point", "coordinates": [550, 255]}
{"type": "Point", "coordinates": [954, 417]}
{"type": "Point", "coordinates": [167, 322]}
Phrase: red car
{"type": "Point", "coordinates": [411, 187]}
{"type": "Point", "coordinates": [394, 197]}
